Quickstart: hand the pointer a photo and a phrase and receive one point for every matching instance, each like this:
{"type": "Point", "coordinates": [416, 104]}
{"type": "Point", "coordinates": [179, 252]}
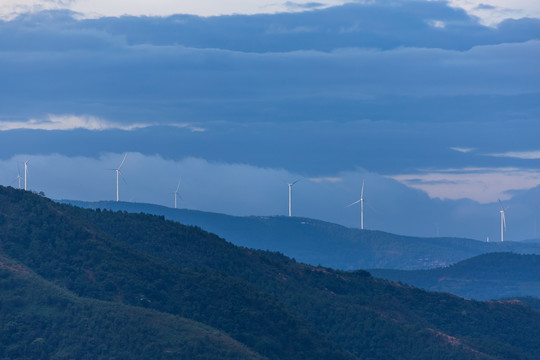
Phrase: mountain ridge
{"type": "Point", "coordinates": [484, 277]}
{"type": "Point", "coordinates": [317, 242]}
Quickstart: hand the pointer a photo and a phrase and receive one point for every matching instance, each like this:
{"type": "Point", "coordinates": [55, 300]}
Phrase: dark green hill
{"type": "Point", "coordinates": [39, 320]}
{"type": "Point", "coordinates": [266, 302]}
{"type": "Point", "coordinates": [320, 243]}
{"type": "Point", "coordinates": [61, 245]}
{"type": "Point", "coordinates": [489, 276]}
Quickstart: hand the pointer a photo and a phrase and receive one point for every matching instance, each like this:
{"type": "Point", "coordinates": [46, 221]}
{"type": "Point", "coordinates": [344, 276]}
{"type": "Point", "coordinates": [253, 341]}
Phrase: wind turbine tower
{"type": "Point", "coordinates": [19, 177]}
{"type": "Point", "coordinates": [362, 207]}
{"type": "Point", "coordinates": [290, 196]}
{"type": "Point", "coordinates": [503, 221]}
{"type": "Point", "coordinates": [26, 174]}
{"type": "Point", "coordinates": [118, 174]}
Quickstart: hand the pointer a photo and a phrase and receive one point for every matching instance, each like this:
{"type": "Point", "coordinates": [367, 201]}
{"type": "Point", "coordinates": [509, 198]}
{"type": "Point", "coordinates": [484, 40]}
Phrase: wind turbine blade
{"type": "Point", "coordinates": [356, 202]}
{"type": "Point", "coordinates": [122, 163]}
{"type": "Point", "coordinates": [122, 176]}
{"type": "Point", "coordinates": [296, 182]}
{"type": "Point", "coordinates": [504, 221]}
{"type": "Point", "coordinates": [178, 187]}
{"type": "Point", "coordinates": [362, 193]}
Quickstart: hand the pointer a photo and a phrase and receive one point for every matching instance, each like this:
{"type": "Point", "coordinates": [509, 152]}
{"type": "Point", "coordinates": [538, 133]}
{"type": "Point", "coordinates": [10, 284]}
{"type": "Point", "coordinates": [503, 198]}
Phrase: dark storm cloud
{"type": "Point", "coordinates": [380, 24]}
{"type": "Point", "coordinates": [340, 63]}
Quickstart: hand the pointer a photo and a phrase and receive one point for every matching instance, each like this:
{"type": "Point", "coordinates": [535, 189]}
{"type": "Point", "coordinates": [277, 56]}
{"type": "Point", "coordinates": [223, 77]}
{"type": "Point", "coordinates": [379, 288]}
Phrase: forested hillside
{"type": "Point", "coordinates": [39, 320]}
{"type": "Point", "coordinates": [263, 304]}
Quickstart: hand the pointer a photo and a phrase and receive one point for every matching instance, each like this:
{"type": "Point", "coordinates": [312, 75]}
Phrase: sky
{"type": "Point", "coordinates": [434, 105]}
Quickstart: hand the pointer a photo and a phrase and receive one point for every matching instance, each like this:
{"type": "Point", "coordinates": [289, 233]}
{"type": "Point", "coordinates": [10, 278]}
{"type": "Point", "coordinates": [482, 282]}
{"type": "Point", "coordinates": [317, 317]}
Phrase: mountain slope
{"type": "Point", "coordinates": [489, 276]}
{"type": "Point", "coordinates": [320, 243]}
{"type": "Point", "coordinates": [340, 304]}
{"type": "Point", "coordinates": [276, 307]}
{"type": "Point", "coordinates": [37, 322]}
{"type": "Point", "coordinates": [62, 247]}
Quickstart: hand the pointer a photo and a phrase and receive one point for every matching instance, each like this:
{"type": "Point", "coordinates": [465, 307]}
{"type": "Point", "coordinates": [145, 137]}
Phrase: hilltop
{"type": "Point", "coordinates": [317, 242]}
{"type": "Point", "coordinates": [263, 304]}
{"type": "Point", "coordinates": [488, 276]}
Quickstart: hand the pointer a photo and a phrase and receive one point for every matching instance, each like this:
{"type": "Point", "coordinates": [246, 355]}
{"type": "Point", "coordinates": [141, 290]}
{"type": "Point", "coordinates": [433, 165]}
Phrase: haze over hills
{"type": "Point", "coordinates": [488, 276]}
{"type": "Point", "coordinates": [321, 243]}
{"type": "Point", "coordinates": [269, 304]}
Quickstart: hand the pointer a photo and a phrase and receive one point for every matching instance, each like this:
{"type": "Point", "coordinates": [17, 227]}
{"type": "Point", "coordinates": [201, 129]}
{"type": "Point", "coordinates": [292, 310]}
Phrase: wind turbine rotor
{"type": "Point", "coordinates": [176, 192]}
{"type": "Point", "coordinates": [118, 176]}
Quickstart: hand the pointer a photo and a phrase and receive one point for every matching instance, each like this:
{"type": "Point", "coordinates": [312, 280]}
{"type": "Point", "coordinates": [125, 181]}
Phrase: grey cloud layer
{"type": "Point", "coordinates": [105, 66]}
{"type": "Point", "coordinates": [123, 80]}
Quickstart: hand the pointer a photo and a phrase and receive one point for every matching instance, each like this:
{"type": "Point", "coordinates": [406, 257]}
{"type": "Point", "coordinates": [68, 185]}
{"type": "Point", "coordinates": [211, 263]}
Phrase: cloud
{"type": "Point", "coordinates": [192, 128]}
{"type": "Point", "coordinates": [485, 7]}
{"type": "Point", "coordinates": [437, 24]}
{"type": "Point", "coordinates": [68, 122]}
{"type": "Point", "coordinates": [484, 185]}
{"type": "Point", "coordinates": [278, 29]}
{"type": "Point", "coordinates": [380, 25]}
{"type": "Point", "coordinates": [296, 5]}
{"type": "Point", "coordinates": [528, 155]}
{"type": "Point", "coordinates": [461, 149]}
{"type": "Point", "coordinates": [490, 12]}
{"type": "Point", "coordinates": [328, 179]}
{"type": "Point", "coordinates": [493, 12]}
{"type": "Point", "coordinates": [141, 82]}
{"type": "Point", "coordinates": [100, 8]}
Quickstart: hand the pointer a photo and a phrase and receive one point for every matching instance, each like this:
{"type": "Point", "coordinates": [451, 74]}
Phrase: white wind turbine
{"type": "Point", "coordinates": [361, 201]}
{"type": "Point", "coordinates": [26, 174]}
{"type": "Point", "coordinates": [503, 221]}
{"type": "Point", "coordinates": [118, 174]}
{"type": "Point", "coordinates": [290, 196]}
{"type": "Point", "coordinates": [176, 192]}
{"type": "Point", "coordinates": [19, 177]}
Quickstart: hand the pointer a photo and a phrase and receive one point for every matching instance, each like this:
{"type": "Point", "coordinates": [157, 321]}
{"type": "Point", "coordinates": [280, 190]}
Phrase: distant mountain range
{"type": "Point", "coordinates": [321, 243]}
{"type": "Point", "coordinates": [78, 283]}
{"type": "Point", "coordinates": [488, 276]}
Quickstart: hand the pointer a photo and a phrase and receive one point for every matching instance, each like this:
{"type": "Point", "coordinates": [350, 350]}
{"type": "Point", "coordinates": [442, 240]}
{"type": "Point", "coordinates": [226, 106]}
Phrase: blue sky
{"type": "Point", "coordinates": [433, 105]}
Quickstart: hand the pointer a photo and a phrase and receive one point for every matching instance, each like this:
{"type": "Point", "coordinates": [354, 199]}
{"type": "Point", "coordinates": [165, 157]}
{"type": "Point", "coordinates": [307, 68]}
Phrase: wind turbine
{"type": "Point", "coordinates": [361, 201]}
{"type": "Point", "coordinates": [290, 196]}
{"type": "Point", "coordinates": [26, 174]}
{"type": "Point", "coordinates": [118, 174]}
{"type": "Point", "coordinates": [19, 177]}
{"type": "Point", "coordinates": [176, 192]}
{"type": "Point", "coordinates": [503, 221]}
